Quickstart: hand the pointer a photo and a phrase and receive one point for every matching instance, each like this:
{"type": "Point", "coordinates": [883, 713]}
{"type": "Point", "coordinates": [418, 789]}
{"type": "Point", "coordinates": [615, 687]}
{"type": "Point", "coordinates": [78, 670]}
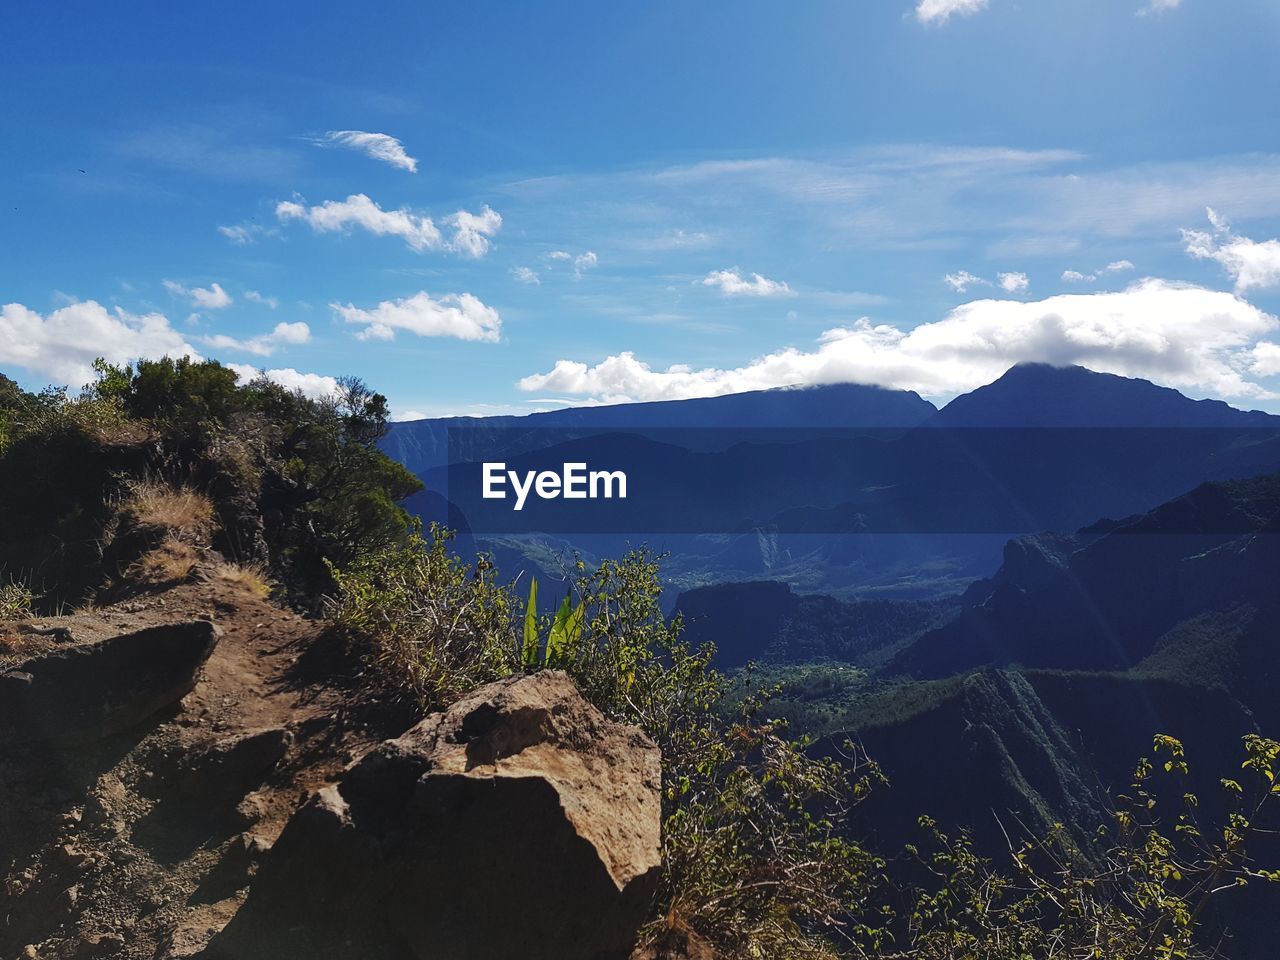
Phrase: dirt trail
{"type": "Point", "coordinates": [142, 845]}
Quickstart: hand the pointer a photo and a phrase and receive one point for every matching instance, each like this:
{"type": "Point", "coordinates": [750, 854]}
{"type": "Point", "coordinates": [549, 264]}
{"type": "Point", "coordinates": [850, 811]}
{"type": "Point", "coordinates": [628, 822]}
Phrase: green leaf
{"type": "Point", "coordinates": [558, 639]}
{"type": "Point", "coordinates": [529, 651]}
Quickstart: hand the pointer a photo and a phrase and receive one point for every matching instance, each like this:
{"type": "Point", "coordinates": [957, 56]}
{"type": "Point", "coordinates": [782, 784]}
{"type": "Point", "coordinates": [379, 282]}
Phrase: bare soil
{"type": "Point", "coordinates": [143, 845]}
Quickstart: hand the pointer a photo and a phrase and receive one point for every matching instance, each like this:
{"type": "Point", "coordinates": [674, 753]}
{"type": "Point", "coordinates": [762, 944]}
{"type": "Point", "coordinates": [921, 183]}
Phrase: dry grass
{"type": "Point", "coordinates": [250, 578]}
{"type": "Point", "coordinates": [179, 511]}
{"type": "Point", "coordinates": [172, 562]}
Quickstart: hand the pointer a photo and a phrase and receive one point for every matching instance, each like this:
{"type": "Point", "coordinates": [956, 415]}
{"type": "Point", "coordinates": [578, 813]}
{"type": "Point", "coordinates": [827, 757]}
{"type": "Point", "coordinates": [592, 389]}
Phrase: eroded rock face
{"type": "Point", "coordinates": [519, 823]}
{"type": "Point", "coordinates": [79, 694]}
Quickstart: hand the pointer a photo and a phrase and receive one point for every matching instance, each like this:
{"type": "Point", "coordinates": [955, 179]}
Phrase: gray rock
{"type": "Point", "coordinates": [519, 823]}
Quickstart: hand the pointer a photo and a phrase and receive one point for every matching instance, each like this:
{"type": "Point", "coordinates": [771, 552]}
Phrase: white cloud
{"type": "Point", "coordinates": [1189, 337]}
{"type": "Point", "coordinates": [1115, 266]}
{"type": "Point", "coordinates": [63, 345]}
{"type": "Point", "coordinates": [962, 281]}
{"type": "Point", "coordinates": [940, 11]}
{"type": "Point", "coordinates": [1013, 282]}
{"type": "Point", "coordinates": [526, 275]}
{"type": "Point", "coordinates": [380, 146]}
{"type": "Point", "coordinates": [581, 263]}
{"type": "Point", "coordinates": [313, 385]}
{"type": "Point", "coordinates": [243, 234]}
{"type": "Point", "coordinates": [1250, 263]}
{"type": "Point", "coordinates": [284, 334]}
{"type": "Point", "coordinates": [584, 262]}
{"type": "Point", "coordinates": [1265, 360]}
{"type": "Point", "coordinates": [471, 231]}
{"type": "Point", "coordinates": [254, 296]}
{"type": "Point", "coordinates": [733, 284]}
{"type": "Point", "coordinates": [455, 315]}
{"type": "Point", "coordinates": [212, 297]}
{"type": "Point", "coordinates": [400, 416]}
{"type": "Point", "coordinates": [1159, 6]}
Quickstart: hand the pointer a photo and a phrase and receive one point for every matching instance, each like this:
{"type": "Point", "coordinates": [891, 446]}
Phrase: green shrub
{"type": "Point", "coordinates": [1143, 897]}
{"type": "Point", "coordinates": [758, 851]}
{"type": "Point", "coordinates": [429, 625]}
{"type": "Point", "coordinates": [295, 481]}
{"type": "Point", "coordinates": [16, 601]}
{"type": "Point", "coordinates": [757, 863]}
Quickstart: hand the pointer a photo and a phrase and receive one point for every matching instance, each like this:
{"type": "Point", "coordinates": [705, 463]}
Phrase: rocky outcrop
{"type": "Point", "coordinates": [519, 823]}
{"type": "Point", "coordinates": [76, 694]}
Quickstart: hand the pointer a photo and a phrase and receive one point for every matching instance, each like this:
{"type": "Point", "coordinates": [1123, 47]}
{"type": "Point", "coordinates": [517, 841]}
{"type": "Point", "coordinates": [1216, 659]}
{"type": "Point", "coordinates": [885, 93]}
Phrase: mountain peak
{"type": "Point", "coordinates": [1044, 395]}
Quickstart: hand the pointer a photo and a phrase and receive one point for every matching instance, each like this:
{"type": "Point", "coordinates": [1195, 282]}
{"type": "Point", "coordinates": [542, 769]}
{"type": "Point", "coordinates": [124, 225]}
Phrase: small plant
{"type": "Point", "coordinates": [563, 637]}
{"type": "Point", "coordinates": [16, 601]}
{"type": "Point", "coordinates": [251, 578]}
{"type": "Point", "coordinates": [176, 510]}
{"type": "Point", "coordinates": [172, 562]}
{"type": "Point", "coordinates": [428, 624]}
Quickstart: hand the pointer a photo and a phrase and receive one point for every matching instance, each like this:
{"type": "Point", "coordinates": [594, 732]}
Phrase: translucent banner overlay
{"type": "Point", "coordinates": [923, 480]}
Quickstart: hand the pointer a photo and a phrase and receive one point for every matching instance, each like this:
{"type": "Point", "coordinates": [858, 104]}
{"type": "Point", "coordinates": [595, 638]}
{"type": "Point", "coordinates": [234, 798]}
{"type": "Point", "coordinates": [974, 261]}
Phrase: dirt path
{"type": "Point", "coordinates": [142, 846]}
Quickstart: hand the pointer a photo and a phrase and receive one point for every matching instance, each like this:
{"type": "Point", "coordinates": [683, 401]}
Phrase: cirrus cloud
{"type": "Point", "coordinates": [1185, 336]}
{"type": "Point", "coordinates": [379, 146]}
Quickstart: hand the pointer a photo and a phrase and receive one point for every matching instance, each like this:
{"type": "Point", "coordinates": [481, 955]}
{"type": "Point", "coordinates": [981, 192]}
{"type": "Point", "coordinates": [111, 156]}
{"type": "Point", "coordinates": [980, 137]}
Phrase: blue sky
{"type": "Point", "coordinates": [503, 206]}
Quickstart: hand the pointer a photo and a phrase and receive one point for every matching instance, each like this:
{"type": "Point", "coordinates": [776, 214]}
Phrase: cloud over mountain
{"type": "Point", "coordinates": [1184, 336]}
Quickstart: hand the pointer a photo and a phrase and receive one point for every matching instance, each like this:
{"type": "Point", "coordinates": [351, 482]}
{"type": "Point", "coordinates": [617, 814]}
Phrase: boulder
{"type": "Point", "coordinates": [78, 694]}
{"type": "Point", "coordinates": [518, 823]}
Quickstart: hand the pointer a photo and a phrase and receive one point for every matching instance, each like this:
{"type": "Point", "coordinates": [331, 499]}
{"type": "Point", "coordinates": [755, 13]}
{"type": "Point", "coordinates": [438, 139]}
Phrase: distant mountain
{"type": "Point", "coordinates": [1118, 592]}
{"type": "Point", "coordinates": [767, 620]}
{"type": "Point", "coordinates": [1039, 395]}
{"type": "Point", "coordinates": [1041, 747]}
{"type": "Point", "coordinates": [421, 444]}
{"type": "Point", "coordinates": [781, 504]}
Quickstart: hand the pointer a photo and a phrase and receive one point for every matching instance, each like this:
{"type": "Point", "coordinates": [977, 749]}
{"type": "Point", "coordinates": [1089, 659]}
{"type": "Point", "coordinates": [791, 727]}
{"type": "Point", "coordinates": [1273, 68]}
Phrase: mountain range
{"type": "Point", "coordinates": [850, 490]}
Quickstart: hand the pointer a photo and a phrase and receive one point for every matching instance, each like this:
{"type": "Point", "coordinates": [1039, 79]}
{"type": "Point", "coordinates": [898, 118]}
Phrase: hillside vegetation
{"type": "Point", "coordinates": [166, 476]}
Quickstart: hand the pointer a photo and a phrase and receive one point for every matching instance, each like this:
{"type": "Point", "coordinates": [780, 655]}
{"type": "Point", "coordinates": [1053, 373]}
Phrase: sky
{"type": "Point", "coordinates": [505, 206]}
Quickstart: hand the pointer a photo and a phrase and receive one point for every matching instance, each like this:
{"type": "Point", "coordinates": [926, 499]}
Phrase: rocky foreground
{"type": "Point", "coordinates": [191, 775]}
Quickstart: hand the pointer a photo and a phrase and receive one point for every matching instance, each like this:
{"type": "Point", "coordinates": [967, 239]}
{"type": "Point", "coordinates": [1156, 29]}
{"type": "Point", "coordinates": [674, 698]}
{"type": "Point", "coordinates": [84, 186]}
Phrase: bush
{"type": "Point", "coordinates": [293, 481]}
{"type": "Point", "coordinates": [1145, 896]}
{"type": "Point", "coordinates": [756, 862]}
{"type": "Point", "coordinates": [757, 848]}
{"type": "Point", "coordinates": [431, 627]}
{"type": "Point", "coordinates": [250, 578]}
{"type": "Point", "coordinates": [173, 510]}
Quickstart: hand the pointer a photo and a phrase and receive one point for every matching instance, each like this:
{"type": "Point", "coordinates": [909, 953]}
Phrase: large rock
{"type": "Point", "coordinates": [79, 694]}
{"type": "Point", "coordinates": [519, 823]}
